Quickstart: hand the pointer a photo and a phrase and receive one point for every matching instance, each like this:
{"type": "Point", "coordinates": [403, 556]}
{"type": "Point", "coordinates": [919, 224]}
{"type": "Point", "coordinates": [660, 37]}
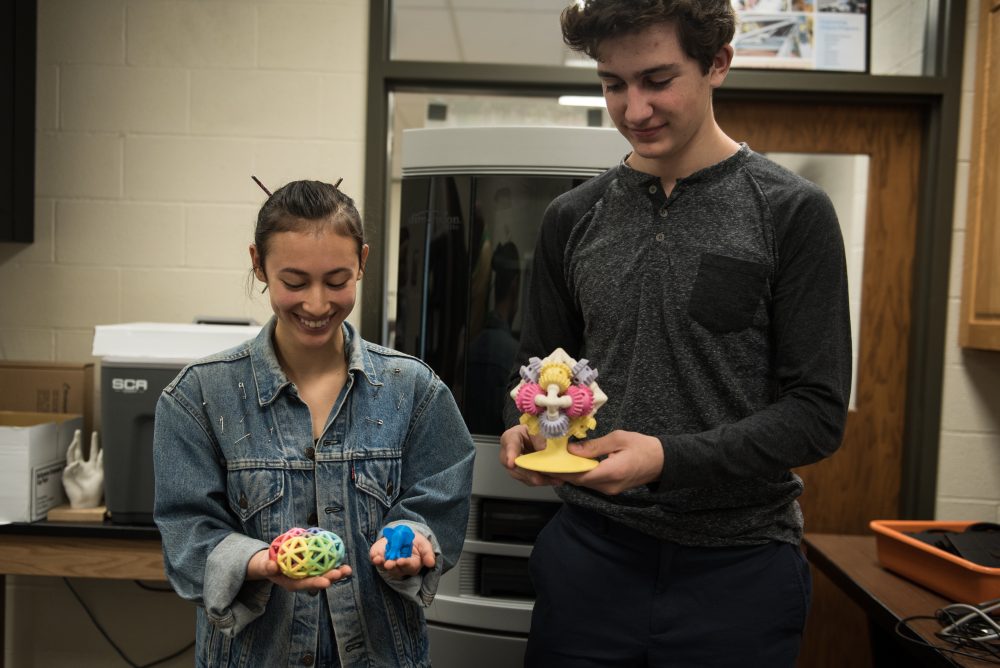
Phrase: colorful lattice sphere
{"type": "Point", "coordinates": [302, 553]}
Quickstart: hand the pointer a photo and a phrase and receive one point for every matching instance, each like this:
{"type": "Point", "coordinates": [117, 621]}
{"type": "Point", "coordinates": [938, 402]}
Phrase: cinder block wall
{"type": "Point", "coordinates": [151, 117]}
{"type": "Point", "coordinates": [969, 461]}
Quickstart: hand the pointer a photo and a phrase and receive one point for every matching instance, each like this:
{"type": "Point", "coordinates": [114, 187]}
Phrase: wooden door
{"type": "Point", "coordinates": [861, 482]}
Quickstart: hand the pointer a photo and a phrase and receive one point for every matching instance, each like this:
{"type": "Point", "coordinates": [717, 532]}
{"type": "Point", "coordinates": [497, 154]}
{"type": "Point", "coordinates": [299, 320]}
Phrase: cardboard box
{"type": "Point", "coordinates": [49, 387]}
{"type": "Point", "coordinates": [32, 458]}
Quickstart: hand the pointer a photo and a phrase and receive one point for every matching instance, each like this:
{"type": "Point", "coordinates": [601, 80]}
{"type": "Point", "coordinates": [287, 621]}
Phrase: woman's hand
{"type": "Point", "coordinates": [260, 567]}
{"type": "Point", "coordinates": [421, 556]}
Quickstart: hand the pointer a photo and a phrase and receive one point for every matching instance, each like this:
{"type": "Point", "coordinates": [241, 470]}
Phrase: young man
{"type": "Point", "coordinates": [707, 285]}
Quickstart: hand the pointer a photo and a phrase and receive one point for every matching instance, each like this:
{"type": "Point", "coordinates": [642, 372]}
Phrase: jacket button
{"type": "Point", "coordinates": [311, 452]}
{"type": "Point", "coordinates": [312, 519]}
{"type": "Point", "coordinates": [244, 504]}
{"type": "Point", "coordinates": [308, 660]}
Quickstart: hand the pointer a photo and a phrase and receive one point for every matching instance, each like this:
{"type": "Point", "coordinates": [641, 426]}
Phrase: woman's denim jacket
{"type": "Point", "coordinates": [236, 465]}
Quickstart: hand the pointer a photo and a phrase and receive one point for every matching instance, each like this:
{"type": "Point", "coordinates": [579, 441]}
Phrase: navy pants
{"type": "Point", "coordinates": [607, 595]}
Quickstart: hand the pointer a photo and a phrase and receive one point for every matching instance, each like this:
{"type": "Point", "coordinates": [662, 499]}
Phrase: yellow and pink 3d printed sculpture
{"type": "Point", "coordinates": [557, 397]}
{"type": "Point", "coordinates": [303, 553]}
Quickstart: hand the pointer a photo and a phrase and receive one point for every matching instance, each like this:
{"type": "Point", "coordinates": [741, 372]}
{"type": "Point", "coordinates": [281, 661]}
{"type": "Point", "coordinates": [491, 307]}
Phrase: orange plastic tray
{"type": "Point", "coordinates": [957, 579]}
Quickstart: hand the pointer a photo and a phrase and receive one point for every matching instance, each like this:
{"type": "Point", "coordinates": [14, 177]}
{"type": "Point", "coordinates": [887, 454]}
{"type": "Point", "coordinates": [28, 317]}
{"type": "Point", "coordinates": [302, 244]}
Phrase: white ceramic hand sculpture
{"type": "Point", "coordinates": [84, 478]}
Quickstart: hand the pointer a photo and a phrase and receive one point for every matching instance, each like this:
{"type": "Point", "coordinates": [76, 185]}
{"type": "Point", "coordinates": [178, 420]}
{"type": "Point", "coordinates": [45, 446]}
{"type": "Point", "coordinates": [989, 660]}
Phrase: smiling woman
{"type": "Point", "coordinates": [311, 276]}
{"type": "Point", "coordinates": [309, 252]}
{"type": "Point", "coordinates": [309, 425]}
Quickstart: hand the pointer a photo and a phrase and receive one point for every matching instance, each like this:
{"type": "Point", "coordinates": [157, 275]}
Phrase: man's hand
{"type": "Point", "coordinates": [631, 459]}
{"type": "Point", "coordinates": [515, 442]}
{"type": "Point", "coordinates": [421, 556]}
{"type": "Point", "coordinates": [260, 567]}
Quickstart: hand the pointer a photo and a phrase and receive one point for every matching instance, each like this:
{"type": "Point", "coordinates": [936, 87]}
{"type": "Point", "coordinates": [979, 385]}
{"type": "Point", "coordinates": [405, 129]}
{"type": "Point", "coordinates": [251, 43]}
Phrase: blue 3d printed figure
{"type": "Point", "coordinates": [400, 545]}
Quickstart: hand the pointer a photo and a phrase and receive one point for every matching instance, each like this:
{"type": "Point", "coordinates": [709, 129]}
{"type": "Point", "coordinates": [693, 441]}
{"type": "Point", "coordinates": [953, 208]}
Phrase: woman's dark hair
{"type": "Point", "coordinates": [303, 205]}
{"type": "Point", "coordinates": [703, 26]}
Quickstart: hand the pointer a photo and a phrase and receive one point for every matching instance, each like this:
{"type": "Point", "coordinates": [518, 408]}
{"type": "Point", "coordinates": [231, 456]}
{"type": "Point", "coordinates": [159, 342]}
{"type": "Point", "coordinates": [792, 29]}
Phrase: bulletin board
{"type": "Point", "coordinates": [831, 35]}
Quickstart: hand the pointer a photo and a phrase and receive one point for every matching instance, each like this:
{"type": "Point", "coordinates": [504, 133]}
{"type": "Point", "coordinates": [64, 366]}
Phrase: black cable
{"type": "Point", "coordinates": [981, 650]}
{"type": "Point", "coordinates": [143, 585]}
{"type": "Point", "coordinates": [111, 642]}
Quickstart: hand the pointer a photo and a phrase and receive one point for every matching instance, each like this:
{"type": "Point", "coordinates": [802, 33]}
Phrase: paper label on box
{"type": "Point", "coordinates": [49, 491]}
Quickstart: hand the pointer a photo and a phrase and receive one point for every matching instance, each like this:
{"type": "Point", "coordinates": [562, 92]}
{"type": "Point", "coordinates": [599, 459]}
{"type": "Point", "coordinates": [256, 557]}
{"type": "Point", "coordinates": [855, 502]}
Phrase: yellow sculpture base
{"type": "Point", "coordinates": [555, 458]}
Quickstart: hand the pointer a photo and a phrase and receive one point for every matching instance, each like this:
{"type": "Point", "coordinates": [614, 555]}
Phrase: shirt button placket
{"type": "Point", "coordinates": [660, 236]}
{"type": "Point", "coordinates": [653, 189]}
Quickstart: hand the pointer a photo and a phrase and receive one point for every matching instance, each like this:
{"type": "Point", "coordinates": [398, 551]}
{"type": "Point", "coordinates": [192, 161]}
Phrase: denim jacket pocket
{"type": "Point", "coordinates": [727, 292]}
{"type": "Point", "coordinates": [252, 493]}
{"type": "Point", "coordinates": [378, 477]}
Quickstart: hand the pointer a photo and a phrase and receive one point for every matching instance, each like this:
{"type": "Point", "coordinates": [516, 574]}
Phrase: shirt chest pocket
{"type": "Point", "coordinates": [377, 481]}
{"type": "Point", "coordinates": [253, 496]}
{"type": "Point", "coordinates": [727, 292]}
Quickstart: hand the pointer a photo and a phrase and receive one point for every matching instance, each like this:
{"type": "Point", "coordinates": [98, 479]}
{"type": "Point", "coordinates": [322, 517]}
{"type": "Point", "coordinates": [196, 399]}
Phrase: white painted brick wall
{"type": "Point", "coordinates": [81, 31]}
{"type": "Point", "coordinates": [969, 460]}
{"type": "Point", "coordinates": [192, 34]}
{"type": "Point", "coordinates": [125, 234]}
{"type": "Point", "coordinates": [151, 116]}
{"type": "Point", "coordinates": [123, 99]}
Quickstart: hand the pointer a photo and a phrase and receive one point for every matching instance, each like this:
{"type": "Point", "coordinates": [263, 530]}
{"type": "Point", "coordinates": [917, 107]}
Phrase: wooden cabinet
{"type": "Point", "coordinates": [980, 319]}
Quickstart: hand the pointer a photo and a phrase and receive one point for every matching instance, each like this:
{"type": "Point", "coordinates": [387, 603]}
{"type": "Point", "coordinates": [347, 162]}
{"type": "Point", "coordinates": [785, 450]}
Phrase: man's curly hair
{"type": "Point", "coordinates": [703, 26]}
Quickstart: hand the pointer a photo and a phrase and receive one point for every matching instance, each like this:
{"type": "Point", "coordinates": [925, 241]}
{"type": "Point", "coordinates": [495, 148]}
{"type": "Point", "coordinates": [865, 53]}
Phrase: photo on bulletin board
{"type": "Point", "coordinates": [829, 35]}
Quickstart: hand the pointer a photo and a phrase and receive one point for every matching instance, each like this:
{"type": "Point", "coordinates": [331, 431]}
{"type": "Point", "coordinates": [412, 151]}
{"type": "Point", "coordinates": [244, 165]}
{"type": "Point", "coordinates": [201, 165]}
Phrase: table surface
{"type": "Point", "coordinates": [134, 553]}
{"type": "Point", "coordinates": [104, 529]}
{"type": "Point", "coordinates": [81, 549]}
{"type": "Point", "coordinates": [851, 562]}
